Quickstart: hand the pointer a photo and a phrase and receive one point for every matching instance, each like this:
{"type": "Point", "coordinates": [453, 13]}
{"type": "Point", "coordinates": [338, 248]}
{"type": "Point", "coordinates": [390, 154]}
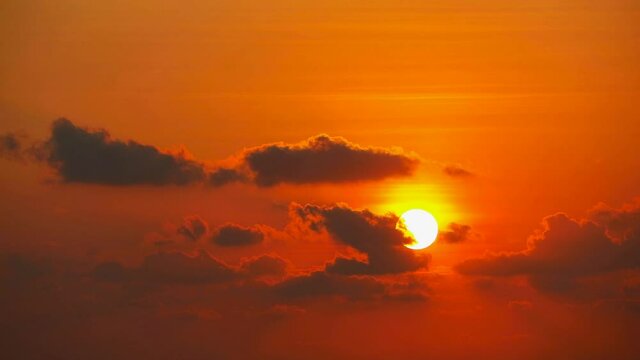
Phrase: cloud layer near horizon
{"type": "Point", "coordinates": [568, 250]}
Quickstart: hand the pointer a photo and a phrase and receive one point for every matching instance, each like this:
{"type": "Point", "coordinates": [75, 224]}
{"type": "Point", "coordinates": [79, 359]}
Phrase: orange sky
{"type": "Point", "coordinates": [536, 100]}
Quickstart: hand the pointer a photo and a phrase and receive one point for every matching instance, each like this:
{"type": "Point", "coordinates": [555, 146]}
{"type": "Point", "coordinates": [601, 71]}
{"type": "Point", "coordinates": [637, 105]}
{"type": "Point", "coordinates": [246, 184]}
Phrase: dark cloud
{"type": "Point", "coordinates": [621, 224]}
{"type": "Point", "coordinates": [177, 268]}
{"type": "Point", "coordinates": [193, 228]}
{"type": "Point", "coordinates": [111, 271]}
{"type": "Point", "coordinates": [16, 269]}
{"type": "Point", "coordinates": [180, 268]}
{"type": "Point", "coordinates": [457, 171]}
{"type": "Point", "coordinates": [265, 265]}
{"type": "Point", "coordinates": [91, 156]}
{"type": "Point", "coordinates": [236, 235]}
{"type": "Point", "coordinates": [169, 268]}
{"type": "Point", "coordinates": [325, 159]}
{"type": "Point", "coordinates": [568, 250]}
{"type": "Point", "coordinates": [223, 176]}
{"type": "Point", "coordinates": [10, 146]}
{"type": "Point", "coordinates": [322, 284]}
{"type": "Point", "coordinates": [625, 307]}
{"type": "Point", "coordinates": [82, 155]}
{"type": "Point", "coordinates": [373, 235]}
{"type": "Point", "coordinates": [455, 233]}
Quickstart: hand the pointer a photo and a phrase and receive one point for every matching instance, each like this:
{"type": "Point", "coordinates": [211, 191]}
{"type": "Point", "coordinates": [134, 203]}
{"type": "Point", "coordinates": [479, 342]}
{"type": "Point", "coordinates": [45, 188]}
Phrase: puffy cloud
{"type": "Point", "coordinates": [568, 250]}
{"type": "Point", "coordinates": [621, 224]}
{"type": "Point", "coordinates": [455, 233]}
{"type": "Point", "coordinates": [193, 228]}
{"type": "Point", "coordinates": [82, 155]}
{"type": "Point", "coordinates": [373, 235]}
{"type": "Point", "coordinates": [235, 235]}
{"type": "Point", "coordinates": [457, 171]}
{"type": "Point", "coordinates": [325, 159]}
{"type": "Point", "coordinates": [86, 156]}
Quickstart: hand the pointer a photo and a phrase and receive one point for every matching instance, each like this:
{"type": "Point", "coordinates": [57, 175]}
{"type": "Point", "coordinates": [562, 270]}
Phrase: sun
{"type": "Point", "coordinates": [419, 225]}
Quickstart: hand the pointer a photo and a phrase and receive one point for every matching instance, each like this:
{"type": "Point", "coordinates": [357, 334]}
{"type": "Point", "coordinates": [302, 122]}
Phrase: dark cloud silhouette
{"type": "Point", "coordinates": [264, 265]}
{"type": "Point", "coordinates": [373, 235]}
{"type": "Point", "coordinates": [10, 146]}
{"type": "Point", "coordinates": [180, 268]}
{"type": "Point", "coordinates": [17, 269]}
{"type": "Point", "coordinates": [621, 224]}
{"type": "Point", "coordinates": [625, 307]}
{"type": "Point", "coordinates": [568, 250]}
{"type": "Point", "coordinates": [455, 233]}
{"type": "Point", "coordinates": [82, 155]}
{"type": "Point", "coordinates": [322, 284]}
{"type": "Point", "coordinates": [223, 176]}
{"type": "Point", "coordinates": [236, 235]}
{"type": "Point", "coordinates": [457, 171]}
{"type": "Point", "coordinates": [169, 268]}
{"type": "Point", "coordinates": [111, 271]}
{"type": "Point", "coordinates": [177, 268]}
{"type": "Point", "coordinates": [193, 228]}
{"type": "Point", "coordinates": [86, 156]}
{"type": "Point", "coordinates": [325, 159]}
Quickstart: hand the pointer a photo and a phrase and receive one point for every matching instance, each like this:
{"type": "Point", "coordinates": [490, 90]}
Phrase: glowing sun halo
{"type": "Point", "coordinates": [419, 225]}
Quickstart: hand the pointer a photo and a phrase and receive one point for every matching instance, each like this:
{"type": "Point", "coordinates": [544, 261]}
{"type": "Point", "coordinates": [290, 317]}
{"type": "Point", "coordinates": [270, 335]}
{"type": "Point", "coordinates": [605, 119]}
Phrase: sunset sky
{"type": "Point", "coordinates": [217, 179]}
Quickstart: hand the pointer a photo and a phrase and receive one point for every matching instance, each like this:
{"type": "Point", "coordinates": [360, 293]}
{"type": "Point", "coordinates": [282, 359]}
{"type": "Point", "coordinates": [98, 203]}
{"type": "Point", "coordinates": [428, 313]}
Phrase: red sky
{"type": "Point", "coordinates": [221, 179]}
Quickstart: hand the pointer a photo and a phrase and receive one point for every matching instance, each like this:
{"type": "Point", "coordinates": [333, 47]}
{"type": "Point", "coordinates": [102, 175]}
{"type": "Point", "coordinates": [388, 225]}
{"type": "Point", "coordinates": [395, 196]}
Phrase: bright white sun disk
{"type": "Point", "coordinates": [421, 226]}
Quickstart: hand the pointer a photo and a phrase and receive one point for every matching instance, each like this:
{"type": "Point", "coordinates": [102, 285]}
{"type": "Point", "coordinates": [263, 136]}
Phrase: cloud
{"type": "Point", "coordinates": [628, 308]}
{"type": "Point", "coordinates": [325, 159]}
{"type": "Point", "coordinates": [177, 268]}
{"type": "Point", "coordinates": [81, 155]}
{"type": "Point", "coordinates": [235, 235]}
{"type": "Point", "coordinates": [193, 228]}
{"type": "Point", "coordinates": [621, 224]}
{"type": "Point", "coordinates": [10, 146]}
{"type": "Point", "coordinates": [373, 235]}
{"type": "Point", "coordinates": [180, 268]}
{"type": "Point", "coordinates": [322, 284]}
{"type": "Point", "coordinates": [169, 268]}
{"type": "Point", "coordinates": [455, 233]}
{"type": "Point", "coordinates": [111, 271]}
{"type": "Point", "coordinates": [17, 269]}
{"type": "Point", "coordinates": [265, 265]}
{"type": "Point", "coordinates": [568, 250]}
{"type": "Point", "coordinates": [457, 171]}
{"type": "Point", "coordinates": [223, 176]}
{"type": "Point", "coordinates": [92, 156]}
